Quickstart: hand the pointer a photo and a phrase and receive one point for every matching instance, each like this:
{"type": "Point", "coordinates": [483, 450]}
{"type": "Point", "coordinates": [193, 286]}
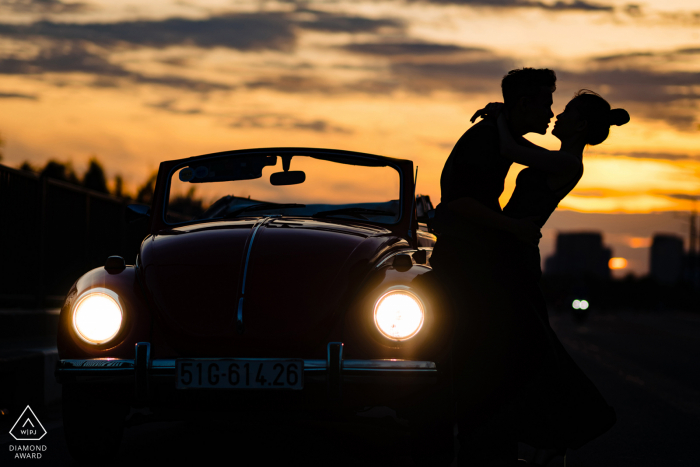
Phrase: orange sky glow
{"type": "Point", "coordinates": [135, 84]}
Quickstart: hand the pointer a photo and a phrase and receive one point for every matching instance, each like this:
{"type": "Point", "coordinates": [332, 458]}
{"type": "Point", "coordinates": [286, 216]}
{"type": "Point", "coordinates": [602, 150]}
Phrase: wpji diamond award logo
{"type": "Point", "coordinates": [28, 428]}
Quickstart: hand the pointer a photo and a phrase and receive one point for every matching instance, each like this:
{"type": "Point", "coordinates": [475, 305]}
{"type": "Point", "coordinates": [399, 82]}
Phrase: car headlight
{"type": "Point", "coordinates": [97, 316]}
{"type": "Point", "coordinates": [399, 314]}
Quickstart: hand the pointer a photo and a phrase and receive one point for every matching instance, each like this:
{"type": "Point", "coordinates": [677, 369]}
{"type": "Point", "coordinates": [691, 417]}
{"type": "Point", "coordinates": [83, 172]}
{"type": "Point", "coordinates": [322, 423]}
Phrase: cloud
{"type": "Point", "coordinates": [249, 32]}
{"type": "Point", "coordinates": [275, 120]}
{"type": "Point", "coordinates": [180, 83]}
{"type": "Point", "coordinates": [242, 31]}
{"type": "Point", "coordinates": [75, 58]}
{"type": "Point", "coordinates": [389, 49]}
{"type": "Point", "coordinates": [62, 58]}
{"type": "Point", "coordinates": [291, 83]}
{"type": "Point", "coordinates": [333, 22]}
{"type": "Point", "coordinates": [169, 106]}
{"type": "Point", "coordinates": [482, 75]}
{"type": "Point", "coordinates": [16, 95]}
{"type": "Point", "coordinates": [687, 18]}
{"type": "Point", "coordinates": [657, 155]}
{"type": "Point", "coordinates": [44, 6]}
{"type": "Point", "coordinates": [654, 85]}
{"type": "Point", "coordinates": [645, 57]}
{"type": "Point", "coordinates": [683, 196]}
{"type": "Point", "coordinates": [639, 85]}
{"type": "Point", "coordinates": [575, 5]}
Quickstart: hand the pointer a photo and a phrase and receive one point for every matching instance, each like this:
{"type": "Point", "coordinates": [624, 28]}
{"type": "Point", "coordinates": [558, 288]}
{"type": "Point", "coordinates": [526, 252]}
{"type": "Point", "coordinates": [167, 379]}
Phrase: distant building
{"type": "Point", "coordinates": [579, 254]}
{"type": "Point", "coordinates": [667, 258]}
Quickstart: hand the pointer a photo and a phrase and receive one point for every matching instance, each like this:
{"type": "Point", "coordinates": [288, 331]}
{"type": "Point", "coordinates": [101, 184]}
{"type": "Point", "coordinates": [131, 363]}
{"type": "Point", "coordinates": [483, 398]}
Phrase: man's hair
{"type": "Point", "coordinates": [526, 82]}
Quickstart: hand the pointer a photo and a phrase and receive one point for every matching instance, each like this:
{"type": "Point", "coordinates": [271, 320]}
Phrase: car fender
{"type": "Point", "coordinates": [136, 316]}
{"type": "Point", "coordinates": [433, 341]}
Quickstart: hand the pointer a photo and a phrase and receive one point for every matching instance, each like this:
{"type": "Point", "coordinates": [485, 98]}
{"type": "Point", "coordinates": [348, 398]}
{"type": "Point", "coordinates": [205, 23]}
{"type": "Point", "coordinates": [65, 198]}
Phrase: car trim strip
{"type": "Point", "coordinates": [241, 300]}
{"type": "Point", "coordinates": [250, 248]}
{"type": "Point", "coordinates": [391, 255]}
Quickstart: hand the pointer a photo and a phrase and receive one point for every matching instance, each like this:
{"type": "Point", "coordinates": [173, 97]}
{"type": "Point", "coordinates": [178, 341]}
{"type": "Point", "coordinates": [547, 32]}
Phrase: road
{"type": "Point", "coordinates": [646, 366]}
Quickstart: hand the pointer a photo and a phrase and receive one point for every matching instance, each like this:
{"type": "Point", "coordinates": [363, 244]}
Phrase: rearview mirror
{"type": "Point", "coordinates": [294, 177]}
{"type": "Point", "coordinates": [137, 212]}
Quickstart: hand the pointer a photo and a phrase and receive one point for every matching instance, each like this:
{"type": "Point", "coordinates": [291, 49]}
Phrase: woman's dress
{"type": "Point", "coordinates": [559, 407]}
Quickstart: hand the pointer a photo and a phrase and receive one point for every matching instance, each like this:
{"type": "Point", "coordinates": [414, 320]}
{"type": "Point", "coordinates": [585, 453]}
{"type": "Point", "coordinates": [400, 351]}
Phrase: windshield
{"type": "Point", "coordinates": [318, 186]}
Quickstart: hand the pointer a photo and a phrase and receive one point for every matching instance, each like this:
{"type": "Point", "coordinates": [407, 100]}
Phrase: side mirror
{"type": "Point", "coordinates": [137, 212]}
{"type": "Point", "coordinates": [294, 177]}
{"type": "Point", "coordinates": [425, 211]}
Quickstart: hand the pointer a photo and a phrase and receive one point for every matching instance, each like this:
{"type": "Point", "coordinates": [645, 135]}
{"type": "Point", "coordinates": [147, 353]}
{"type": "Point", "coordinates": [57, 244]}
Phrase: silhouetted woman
{"type": "Point", "coordinates": [560, 407]}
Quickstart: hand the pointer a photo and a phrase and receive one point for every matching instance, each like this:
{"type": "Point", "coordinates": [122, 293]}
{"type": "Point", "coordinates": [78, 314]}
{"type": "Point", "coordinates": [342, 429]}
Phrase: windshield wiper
{"type": "Point", "coordinates": [262, 207]}
{"type": "Point", "coordinates": [355, 212]}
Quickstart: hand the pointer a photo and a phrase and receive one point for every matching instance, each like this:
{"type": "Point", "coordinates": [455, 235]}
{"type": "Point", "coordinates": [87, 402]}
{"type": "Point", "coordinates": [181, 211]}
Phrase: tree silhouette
{"type": "Point", "coordinates": [2, 143]}
{"type": "Point", "coordinates": [60, 171]}
{"type": "Point", "coordinates": [119, 187]}
{"type": "Point", "coordinates": [94, 178]}
{"type": "Point", "coordinates": [144, 194]}
{"type": "Point", "coordinates": [188, 205]}
{"type": "Point", "coordinates": [28, 167]}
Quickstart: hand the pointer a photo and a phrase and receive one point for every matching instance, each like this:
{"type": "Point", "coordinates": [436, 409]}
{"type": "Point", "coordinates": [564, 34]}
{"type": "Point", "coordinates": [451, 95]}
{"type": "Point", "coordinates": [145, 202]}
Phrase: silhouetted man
{"type": "Point", "coordinates": [469, 260]}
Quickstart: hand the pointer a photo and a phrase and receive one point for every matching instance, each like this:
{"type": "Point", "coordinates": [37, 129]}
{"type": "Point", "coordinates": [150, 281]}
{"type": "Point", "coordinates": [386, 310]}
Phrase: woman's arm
{"type": "Point", "coordinates": [542, 159]}
{"type": "Point", "coordinates": [525, 229]}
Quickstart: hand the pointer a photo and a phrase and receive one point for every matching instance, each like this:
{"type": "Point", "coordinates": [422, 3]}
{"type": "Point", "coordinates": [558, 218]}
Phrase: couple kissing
{"type": "Point", "coordinates": [514, 381]}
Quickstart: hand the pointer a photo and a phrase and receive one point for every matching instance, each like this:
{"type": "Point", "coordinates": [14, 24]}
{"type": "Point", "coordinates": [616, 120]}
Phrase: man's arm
{"type": "Point", "coordinates": [533, 155]}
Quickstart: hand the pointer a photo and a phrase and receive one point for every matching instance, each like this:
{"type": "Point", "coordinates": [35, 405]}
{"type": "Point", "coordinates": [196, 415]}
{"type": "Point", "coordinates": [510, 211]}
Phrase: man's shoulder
{"type": "Point", "coordinates": [480, 136]}
{"type": "Point", "coordinates": [481, 131]}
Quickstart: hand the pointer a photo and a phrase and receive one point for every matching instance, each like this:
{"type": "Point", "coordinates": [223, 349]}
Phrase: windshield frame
{"type": "Point", "coordinates": [306, 152]}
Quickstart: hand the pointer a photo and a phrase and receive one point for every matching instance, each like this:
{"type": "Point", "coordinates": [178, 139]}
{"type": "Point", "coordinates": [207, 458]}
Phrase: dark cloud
{"type": "Point", "coordinates": [690, 51]}
{"type": "Point", "coordinates": [16, 95]}
{"type": "Point", "coordinates": [273, 120]}
{"type": "Point", "coordinates": [169, 106]}
{"type": "Point", "coordinates": [247, 32]}
{"type": "Point", "coordinates": [179, 82]}
{"type": "Point", "coordinates": [658, 155]}
{"type": "Point", "coordinates": [619, 57]}
{"type": "Point", "coordinates": [44, 6]}
{"type": "Point", "coordinates": [466, 77]}
{"type": "Point", "coordinates": [332, 22]}
{"type": "Point", "coordinates": [62, 58]}
{"type": "Point", "coordinates": [291, 83]}
{"type": "Point", "coordinates": [300, 84]}
{"type": "Point", "coordinates": [687, 18]}
{"type": "Point", "coordinates": [639, 82]}
{"type": "Point", "coordinates": [243, 32]}
{"type": "Point", "coordinates": [683, 196]}
{"type": "Point", "coordinates": [634, 10]}
{"type": "Point", "coordinates": [75, 58]}
{"type": "Point", "coordinates": [638, 85]}
{"type": "Point", "coordinates": [575, 5]}
{"type": "Point", "coordinates": [407, 48]}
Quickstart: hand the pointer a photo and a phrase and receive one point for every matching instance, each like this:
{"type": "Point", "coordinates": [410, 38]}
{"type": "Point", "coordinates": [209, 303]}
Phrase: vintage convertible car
{"type": "Point", "coordinates": [260, 287]}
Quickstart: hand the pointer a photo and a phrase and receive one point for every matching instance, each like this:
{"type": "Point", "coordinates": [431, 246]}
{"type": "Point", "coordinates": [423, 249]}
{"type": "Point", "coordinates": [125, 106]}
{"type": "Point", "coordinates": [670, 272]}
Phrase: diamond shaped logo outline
{"type": "Point", "coordinates": [27, 418]}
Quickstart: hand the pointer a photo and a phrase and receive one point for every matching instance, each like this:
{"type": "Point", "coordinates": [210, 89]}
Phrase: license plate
{"type": "Point", "coordinates": [240, 373]}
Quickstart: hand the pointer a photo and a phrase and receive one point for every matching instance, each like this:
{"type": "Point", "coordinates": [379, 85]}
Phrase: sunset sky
{"type": "Point", "coordinates": [135, 83]}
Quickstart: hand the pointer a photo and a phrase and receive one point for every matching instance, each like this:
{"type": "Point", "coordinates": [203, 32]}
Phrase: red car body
{"type": "Point", "coordinates": [264, 287]}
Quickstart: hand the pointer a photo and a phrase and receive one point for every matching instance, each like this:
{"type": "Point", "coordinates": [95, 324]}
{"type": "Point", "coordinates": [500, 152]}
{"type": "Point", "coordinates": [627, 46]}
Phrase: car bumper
{"type": "Point", "coordinates": [334, 375]}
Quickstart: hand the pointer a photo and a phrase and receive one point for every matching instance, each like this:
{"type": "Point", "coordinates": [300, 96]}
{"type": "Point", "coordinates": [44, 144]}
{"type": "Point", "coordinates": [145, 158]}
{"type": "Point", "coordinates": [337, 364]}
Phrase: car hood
{"type": "Point", "coordinates": [296, 277]}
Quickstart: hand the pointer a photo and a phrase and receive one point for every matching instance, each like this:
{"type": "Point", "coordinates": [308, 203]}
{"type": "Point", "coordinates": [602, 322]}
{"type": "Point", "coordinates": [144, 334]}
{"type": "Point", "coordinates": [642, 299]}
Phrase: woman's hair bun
{"type": "Point", "coordinates": [618, 117]}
